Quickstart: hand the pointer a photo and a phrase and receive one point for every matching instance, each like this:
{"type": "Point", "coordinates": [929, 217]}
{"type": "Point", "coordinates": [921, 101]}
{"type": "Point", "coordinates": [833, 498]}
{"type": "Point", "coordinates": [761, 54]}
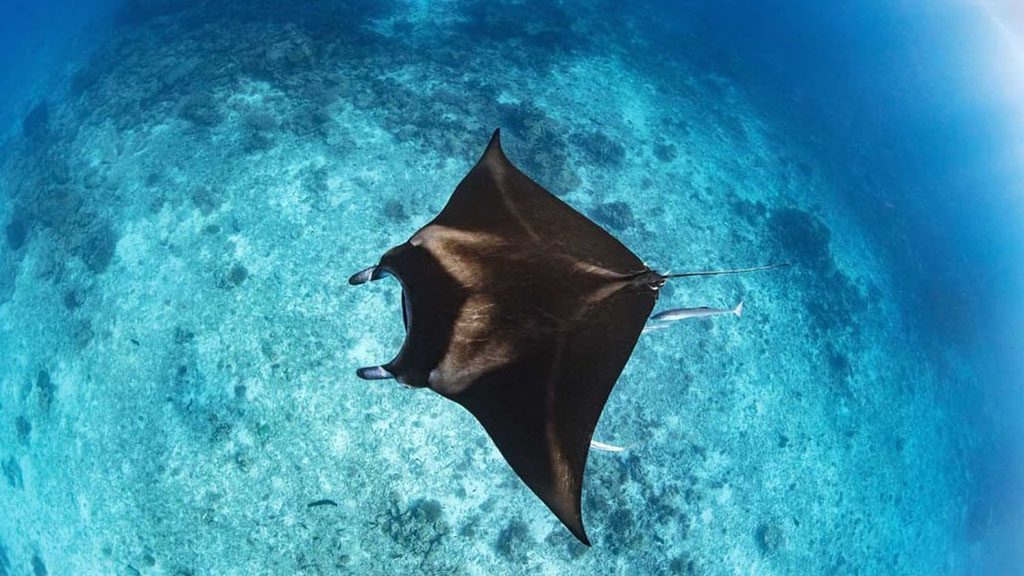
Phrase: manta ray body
{"type": "Point", "coordinates": [523, 311]}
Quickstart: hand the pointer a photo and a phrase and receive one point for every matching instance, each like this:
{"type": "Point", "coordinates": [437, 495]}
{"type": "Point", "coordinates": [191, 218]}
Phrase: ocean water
{"type": "Point", "coordinates": [185, 187]}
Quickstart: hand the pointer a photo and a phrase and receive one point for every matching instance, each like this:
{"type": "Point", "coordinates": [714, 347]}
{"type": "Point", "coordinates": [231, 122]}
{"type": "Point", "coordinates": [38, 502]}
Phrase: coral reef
{"type": "Point", "coordinates": [37, 122]}
{"type": "Point", "coordinates": [5, 562]}
{"type": "Point", "coordinates": [12, 472]}
{"type": "Point", "coordinates": [17, 232]}
{"type": "Point", "coordinates": [514, 541]}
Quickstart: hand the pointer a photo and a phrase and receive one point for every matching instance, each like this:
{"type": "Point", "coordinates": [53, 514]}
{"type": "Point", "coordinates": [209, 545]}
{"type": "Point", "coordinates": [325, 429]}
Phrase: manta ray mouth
{"type": "Point", "coordinates": [406, 310]}
{"type": "Point", "coordinates": [392, 367]}
{"type": "Point", "coordinates": [373, 273]}
{"type": "Point", "coordinates": [406, 313]}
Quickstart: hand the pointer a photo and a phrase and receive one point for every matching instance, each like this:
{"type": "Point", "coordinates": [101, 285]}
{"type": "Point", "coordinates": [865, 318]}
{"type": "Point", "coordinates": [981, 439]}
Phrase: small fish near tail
{"type": "Point", "coordinates": [605, 447]}
{"type": "Point", "coordinates": [677, 314]}
{"type": "Point", "coordinates": [664, 319]}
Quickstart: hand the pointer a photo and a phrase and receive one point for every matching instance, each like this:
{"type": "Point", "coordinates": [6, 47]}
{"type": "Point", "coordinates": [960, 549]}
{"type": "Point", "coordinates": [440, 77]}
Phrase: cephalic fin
{"type": "Point", "coordinates": [366, 275]}
{"type": "Point", "coordinates": [374, 373]}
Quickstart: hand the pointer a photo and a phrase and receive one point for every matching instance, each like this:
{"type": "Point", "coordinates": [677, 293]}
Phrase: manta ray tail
{"type": "Point", "coordinates": [721, 272]}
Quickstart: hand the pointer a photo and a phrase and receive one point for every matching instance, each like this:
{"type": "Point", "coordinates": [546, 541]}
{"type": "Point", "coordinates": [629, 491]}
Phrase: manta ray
{"type": "Point", "coordinates": [523, 311]}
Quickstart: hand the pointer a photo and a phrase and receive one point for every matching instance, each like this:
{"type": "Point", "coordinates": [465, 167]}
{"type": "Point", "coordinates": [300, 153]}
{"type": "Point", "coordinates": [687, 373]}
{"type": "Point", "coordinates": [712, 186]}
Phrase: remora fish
{"type": "Point", "coordinates": [677, 314]}
{"type": "Point", "coordinates": [664, 319]}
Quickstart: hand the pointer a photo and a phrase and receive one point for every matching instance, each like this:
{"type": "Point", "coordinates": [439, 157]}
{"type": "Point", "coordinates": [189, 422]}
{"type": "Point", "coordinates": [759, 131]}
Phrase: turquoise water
{"type": "Point", "coordinates": [186, 186]}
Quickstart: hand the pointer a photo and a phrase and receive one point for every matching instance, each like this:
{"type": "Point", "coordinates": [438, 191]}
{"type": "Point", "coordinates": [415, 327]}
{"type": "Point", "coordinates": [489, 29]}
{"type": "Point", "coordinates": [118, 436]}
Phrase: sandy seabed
{"type": "Point", "coordinates": [179, 341]}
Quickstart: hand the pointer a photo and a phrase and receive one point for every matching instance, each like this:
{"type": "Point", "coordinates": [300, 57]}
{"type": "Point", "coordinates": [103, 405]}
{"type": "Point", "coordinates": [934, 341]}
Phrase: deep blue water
{"type": "Point", "coordinates": [185, 186]}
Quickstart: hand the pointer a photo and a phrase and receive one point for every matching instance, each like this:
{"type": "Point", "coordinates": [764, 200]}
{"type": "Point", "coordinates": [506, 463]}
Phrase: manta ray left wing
{"type": "Point", "coordinates": [525, 312]}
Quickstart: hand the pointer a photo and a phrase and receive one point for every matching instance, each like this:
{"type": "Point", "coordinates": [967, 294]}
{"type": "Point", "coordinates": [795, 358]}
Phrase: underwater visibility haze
{"type": "Point", "coordinates": [187, 185]}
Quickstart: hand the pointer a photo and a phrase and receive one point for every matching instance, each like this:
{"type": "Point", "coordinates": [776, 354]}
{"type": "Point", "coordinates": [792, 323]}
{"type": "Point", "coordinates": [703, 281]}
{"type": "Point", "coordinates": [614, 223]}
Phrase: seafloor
{"type": "Point", "coordinates": [179, 341]}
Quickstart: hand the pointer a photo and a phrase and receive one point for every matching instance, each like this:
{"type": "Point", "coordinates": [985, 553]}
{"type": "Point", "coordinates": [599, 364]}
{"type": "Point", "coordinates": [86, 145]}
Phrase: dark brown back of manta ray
{"type": "Point", "coordinates": [524, 312]}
